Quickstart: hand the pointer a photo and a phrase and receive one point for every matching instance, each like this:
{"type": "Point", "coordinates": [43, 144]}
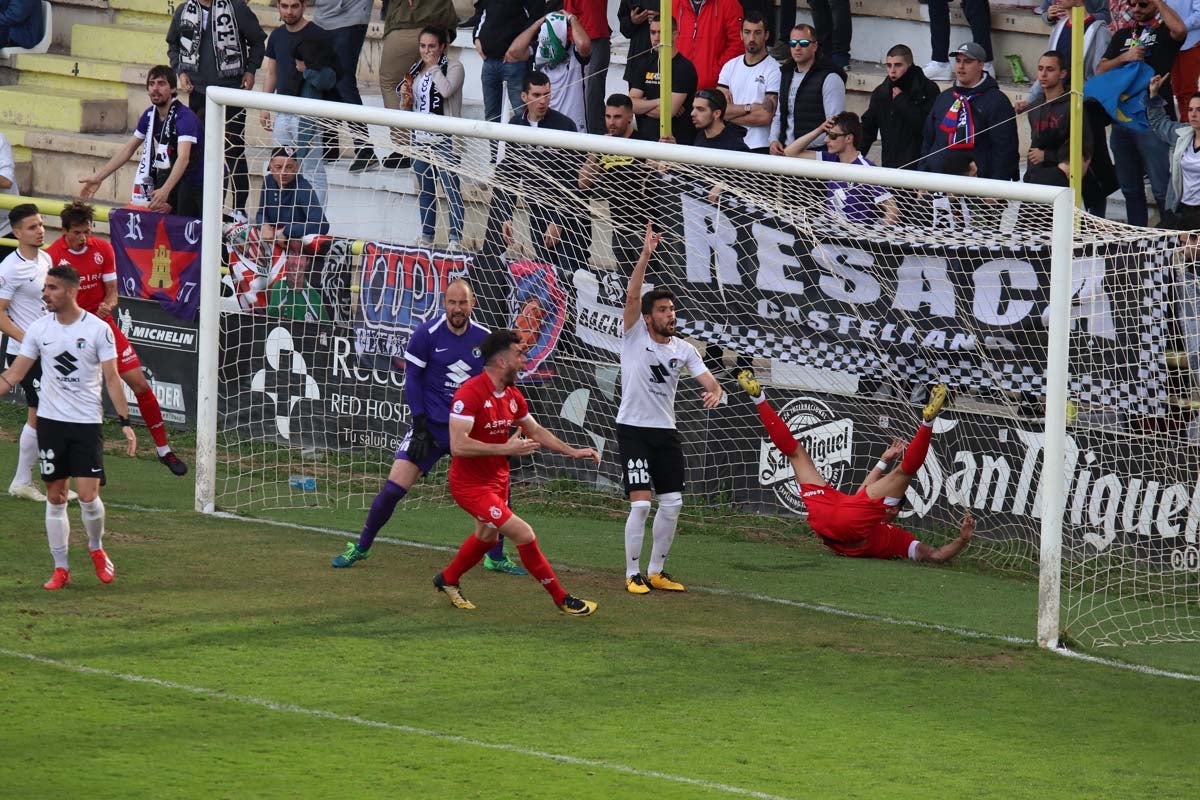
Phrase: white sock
{"type": "Point", "coordinates": [93, 522]}
{"type": "Point", "coordinates": [58, 532]}
{"type": "Point", "coordinates": [162, 451]}
{"type": "Point", "coordinates": [666, 519]}
{"type": "Point", "coordinates": [26, 456]}
{"type": "Point", "coordinates": [635, 532]}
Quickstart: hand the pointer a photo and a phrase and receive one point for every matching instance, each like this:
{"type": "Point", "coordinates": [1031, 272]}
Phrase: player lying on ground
{"type": "Point", "coordinates": [485, 410]}
{"type": "Point", "coordinates": [96, 264]}
{"type": "Point", "coordinates": [861, 525]}
{"type": "Point", "coordinates": [441, 355]}
{"type": "Point", "coordinates": [71, 415]}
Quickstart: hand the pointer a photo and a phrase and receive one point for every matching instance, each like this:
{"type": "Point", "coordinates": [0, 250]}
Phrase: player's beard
{"type": "Point", "coordinates": [457, 320]}
{"type": "Point", "coordinates": [666, 329]}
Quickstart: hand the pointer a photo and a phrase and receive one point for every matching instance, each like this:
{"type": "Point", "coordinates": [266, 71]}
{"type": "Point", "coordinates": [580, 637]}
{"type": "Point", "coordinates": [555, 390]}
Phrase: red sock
{"type": "Point", "coordinates": [777, 429]}
{"type": "Point", "coordinates": [539, 567]}
{"type": "Point", "coordinates": [918, 448]}
{"type": "Point", "coordinates": [152, 416]}
{"type": "Point", "coordinates": [469, 554]}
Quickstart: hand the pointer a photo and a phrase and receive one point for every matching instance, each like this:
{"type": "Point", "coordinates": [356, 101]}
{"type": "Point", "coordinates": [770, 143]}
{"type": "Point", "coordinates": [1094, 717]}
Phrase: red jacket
{"type": "Point", "coordinates": [709, 39]}
{"type": "Point", "coordinates": [593, 16]}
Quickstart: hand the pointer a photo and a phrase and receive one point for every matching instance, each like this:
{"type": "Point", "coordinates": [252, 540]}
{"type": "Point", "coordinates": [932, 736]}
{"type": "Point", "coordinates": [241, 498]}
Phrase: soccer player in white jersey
{"type": "Point", "coordinates": [21, 276]}
{"type": "Point", "coordinates": [652, 360]}
{"type": "Point", "coordinates": [79, 352]}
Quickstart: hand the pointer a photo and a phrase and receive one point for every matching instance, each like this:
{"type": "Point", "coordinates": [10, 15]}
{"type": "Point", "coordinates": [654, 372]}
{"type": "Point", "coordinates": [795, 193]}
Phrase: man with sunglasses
{"type": "Point", "coordinates": [810, 92]}
{"type": "Point", "coordinates": [855, 202]}
{"type": "Point", "coordinates": [1155, 38]}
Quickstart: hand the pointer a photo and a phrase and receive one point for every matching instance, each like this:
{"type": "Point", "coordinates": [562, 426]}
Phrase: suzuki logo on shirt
{"type": "Point", "coordinates": [65, 363]}
{"type": "Point", "coordinates": [457, 373]}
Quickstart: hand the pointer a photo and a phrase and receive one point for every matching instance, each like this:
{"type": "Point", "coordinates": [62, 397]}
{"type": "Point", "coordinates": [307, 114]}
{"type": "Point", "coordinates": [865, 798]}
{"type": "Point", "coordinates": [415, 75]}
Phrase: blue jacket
{"type": "Point", "coordinates": [295, 208]}
{"type": "Point", "coordinates": [21, 23]}
{"type": "Point", "coordinates": [995, 150]}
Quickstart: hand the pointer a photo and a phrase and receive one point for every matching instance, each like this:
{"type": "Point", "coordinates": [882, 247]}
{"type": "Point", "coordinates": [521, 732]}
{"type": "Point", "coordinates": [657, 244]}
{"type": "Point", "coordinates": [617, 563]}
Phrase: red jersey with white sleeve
{"type": "Point", "coordinates": [492, 416]}
{"type": "Point", "coordinates": [96, 264]}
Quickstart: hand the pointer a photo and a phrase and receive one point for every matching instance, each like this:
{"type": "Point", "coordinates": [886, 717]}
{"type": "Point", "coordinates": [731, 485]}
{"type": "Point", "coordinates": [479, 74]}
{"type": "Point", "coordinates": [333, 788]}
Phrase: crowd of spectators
{"type": "Point", "coordinates": [735, 85]}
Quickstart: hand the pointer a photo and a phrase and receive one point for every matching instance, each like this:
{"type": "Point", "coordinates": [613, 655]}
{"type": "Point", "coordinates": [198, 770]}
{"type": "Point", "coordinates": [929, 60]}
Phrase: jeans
{"type": "Point", "coordinates": [426, 173]}
{"type": "Point", "coordinates": [979, 17]}
{"type": "Point", "coordinates": [237, 171]}
{"type": "Point", "coordinates": [497, 73]}
{"type": "Point", "coordinates": [595, 79]}
{"type": "Point", "coordinates": [1136, 156]}
{"type": "Point", "coordinates": [832, 19]}
{"type": "Point", "coordinates": [303, 134]}
{"type": "Point", "coordinates": [348, 44]}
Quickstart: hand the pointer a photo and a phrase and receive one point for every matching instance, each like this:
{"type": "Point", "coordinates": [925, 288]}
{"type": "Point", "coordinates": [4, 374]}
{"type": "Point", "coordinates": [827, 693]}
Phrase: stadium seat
{"type": "Point", "coordinates": [41, 47]}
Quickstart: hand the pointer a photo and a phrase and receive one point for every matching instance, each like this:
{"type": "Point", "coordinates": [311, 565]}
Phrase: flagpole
{"type": "Point", "coordinates": [1077, 78]}
{"type": "Point", "coordinates": [666, 53]}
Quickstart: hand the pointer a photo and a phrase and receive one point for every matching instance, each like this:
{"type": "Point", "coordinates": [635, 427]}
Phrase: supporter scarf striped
{"type": "Point", "coordinates": [959, 124]}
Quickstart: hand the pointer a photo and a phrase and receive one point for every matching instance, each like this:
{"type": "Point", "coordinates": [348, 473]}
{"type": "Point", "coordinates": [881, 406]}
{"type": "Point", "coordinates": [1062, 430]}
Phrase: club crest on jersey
{"type": "Point", "coordinates": [476, 352]}
{"type": "Point", "coordinates": [80, 343]}
{"type": "Point", "coordinates": [99, 259]}
{"type": "Point", "coordinates": [495, 512]}
{"type": "Point", "coordinates": [458, 406]}
{"type": "Point", "coordinates": [512, 405]}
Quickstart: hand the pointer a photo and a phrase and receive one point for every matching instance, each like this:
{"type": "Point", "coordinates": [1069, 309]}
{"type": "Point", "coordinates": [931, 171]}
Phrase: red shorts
{"type": "Point", "coordinates": [127, 357]}
{"type": "Point", "coordinates": [885, 540]}
{"type": "Point", "coordinates": [487, 503]}
{"type": "Point", "coordinates": [841, 517]}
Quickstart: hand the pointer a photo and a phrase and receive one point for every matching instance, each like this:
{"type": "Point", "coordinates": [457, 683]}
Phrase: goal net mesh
{"type": "Point", "coordinates": [846, 299]}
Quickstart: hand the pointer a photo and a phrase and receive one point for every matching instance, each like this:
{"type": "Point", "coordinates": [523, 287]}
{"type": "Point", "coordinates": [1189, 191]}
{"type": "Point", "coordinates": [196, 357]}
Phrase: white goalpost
{"type": "Point", "coordinates": [843, 318]}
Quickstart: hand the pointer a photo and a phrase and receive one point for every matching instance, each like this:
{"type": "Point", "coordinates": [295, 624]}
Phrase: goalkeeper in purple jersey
{"type": "Point", "coordinates": [441, 355]}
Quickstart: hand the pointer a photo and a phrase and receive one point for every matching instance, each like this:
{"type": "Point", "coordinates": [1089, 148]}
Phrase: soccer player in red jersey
{"type": "Point", "coordinates": [96, 264]}
{"type": "Point", "coordinates": [482, 415]}
{"type": "Point", "coordinates": [862, 525]}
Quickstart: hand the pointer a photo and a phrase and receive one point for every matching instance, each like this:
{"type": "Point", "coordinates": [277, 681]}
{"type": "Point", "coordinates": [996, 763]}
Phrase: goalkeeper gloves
{"type": "Point", "coordinates": [419, 439]}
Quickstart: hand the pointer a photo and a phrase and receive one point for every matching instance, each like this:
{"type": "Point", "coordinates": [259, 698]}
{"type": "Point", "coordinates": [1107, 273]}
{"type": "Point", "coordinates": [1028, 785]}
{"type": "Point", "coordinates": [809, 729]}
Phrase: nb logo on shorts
{"type": "Point", "coordinates": [637, 470]}
{"type": "Point", "coordinates": [46, 461]}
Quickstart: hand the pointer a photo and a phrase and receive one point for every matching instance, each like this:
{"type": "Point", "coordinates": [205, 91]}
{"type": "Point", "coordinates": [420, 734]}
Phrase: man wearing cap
{"type": "Point", "coordinates": [972, 115]}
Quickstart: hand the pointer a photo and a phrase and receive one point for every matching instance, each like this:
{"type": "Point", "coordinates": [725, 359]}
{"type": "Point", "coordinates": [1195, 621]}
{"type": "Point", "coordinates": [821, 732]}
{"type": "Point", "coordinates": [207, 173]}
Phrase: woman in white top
{"type": "Point", "coordinates": [434, 86]}
{"type": "Point", "coordinates": [1183, 190]}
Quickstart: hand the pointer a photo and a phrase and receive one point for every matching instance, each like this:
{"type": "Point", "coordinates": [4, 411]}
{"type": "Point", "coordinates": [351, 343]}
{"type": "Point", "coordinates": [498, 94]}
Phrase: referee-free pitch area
{"type": "Point", "coordinates": [229, 660]}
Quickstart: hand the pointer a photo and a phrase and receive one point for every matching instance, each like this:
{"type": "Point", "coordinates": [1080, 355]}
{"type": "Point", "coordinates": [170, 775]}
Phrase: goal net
{"type": "Point", "coordinates": [849, 290]}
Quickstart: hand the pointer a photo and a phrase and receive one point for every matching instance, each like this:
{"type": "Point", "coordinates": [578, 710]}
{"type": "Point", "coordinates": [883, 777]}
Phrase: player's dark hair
{"type": "Point", "coordinates": [653, 296]}
{"type": "Point", "coordinates": [901, 51]}
{"type": "Point", "coordinates": [64, 273]}
{"type": "Point", "coordinates": [76, 213]}
{"type": "Point", "coordinates": [618, 100]}
{"type": "Point", "coordinates": [754, 17]}
{"type": "Point", "coordinates": [22, 212]}
{"type": "Point", "coordinates": [438, 31]}
{"type": "Point", "coordinates": [496, 343]}
{"type": "Point", "coordinates": [850, 124]}
{"type": "Point", "coordinates": [533, 78]}
{"type": "Point", "coordinates": [1062, 62]}
{"type": "Point", "coordinates": [165, 72]}
{"type": "Point", "coordinates": [716, 100]}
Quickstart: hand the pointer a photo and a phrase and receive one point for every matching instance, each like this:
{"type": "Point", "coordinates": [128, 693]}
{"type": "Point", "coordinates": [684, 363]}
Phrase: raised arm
{"type": "Point", "coordinates": [799, 148]}
{"type": "Point", "coordinates": [889, 455]}
{"type": "Point", "coordinates": [551, 442]}
{"type": "Point", "coordinates": [633, 294]}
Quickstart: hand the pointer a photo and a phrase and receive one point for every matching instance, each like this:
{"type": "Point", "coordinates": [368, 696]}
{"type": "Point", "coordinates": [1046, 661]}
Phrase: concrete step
{"type": "Point", "coordinates": [38, 107]}
{"type": "Point", "coordinates": [100, 77]}
{"type": "Point", "coordinates": [136, 44]}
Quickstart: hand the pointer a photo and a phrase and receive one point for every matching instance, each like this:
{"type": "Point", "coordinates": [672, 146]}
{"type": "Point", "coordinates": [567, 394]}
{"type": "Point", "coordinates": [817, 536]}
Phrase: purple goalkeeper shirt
{"type": "Point", "coordinates": [440, 361]}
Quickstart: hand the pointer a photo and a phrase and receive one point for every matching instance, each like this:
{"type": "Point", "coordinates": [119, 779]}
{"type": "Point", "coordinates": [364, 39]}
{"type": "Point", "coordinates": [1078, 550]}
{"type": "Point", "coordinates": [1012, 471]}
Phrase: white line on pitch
{"type": "Point", "coordinates": [817, 607]}
{"type": "Point", "coordinates": [290, 708]}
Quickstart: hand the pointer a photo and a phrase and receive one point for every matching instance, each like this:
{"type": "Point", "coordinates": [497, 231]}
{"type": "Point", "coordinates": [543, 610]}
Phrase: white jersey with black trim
{"type": "Point", "coordinates": [21, 282]}
{"type": "Point", "coordinates": [72, 375]}
{"type": "Point", "coordinates": [650, 375]}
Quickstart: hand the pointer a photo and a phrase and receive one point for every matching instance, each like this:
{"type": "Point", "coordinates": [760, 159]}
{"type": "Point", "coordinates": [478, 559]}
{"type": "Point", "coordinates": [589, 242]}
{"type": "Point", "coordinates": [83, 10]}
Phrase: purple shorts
{"type": "Point", "coordinates": [439, 448]}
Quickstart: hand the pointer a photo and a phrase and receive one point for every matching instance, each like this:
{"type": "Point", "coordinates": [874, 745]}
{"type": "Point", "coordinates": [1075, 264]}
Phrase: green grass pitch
{"type": "Point", "coordinates": [228, 660]}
